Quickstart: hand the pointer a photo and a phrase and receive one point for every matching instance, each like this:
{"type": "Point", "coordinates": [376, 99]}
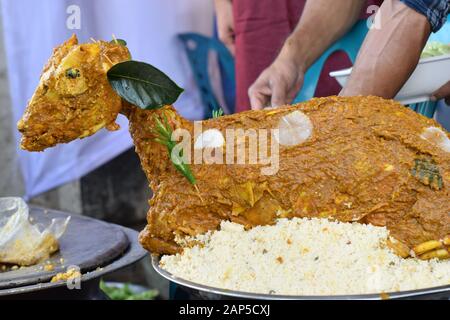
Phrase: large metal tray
{"type": "Point", "coordinates": [200, 291]}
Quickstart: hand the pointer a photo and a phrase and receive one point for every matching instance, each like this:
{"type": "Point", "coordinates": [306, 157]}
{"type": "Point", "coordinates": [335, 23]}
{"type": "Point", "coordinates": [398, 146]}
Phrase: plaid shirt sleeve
{"type": "Point", "coordinates": [435, 10]}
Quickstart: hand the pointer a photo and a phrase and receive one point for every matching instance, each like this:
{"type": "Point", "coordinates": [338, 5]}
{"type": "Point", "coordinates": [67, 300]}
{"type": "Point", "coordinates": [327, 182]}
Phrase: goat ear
{"type": "Point", "coordinates": [60, 52]}
{"type": "Point", "coordinates": [73, 40]}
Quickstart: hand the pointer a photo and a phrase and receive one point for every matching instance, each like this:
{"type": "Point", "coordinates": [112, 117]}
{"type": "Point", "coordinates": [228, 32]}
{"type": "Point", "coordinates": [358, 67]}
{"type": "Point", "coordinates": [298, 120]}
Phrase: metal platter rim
{"type": "Point", "coordinates": [258, 296]}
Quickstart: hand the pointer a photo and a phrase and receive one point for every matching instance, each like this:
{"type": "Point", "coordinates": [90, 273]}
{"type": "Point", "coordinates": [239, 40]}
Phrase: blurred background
{"type": "Point", "coordinates": [100, 176]}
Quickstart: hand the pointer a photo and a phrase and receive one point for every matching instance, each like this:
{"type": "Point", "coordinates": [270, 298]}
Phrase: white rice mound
{"type": "Point", "coordinates": [303, 257]}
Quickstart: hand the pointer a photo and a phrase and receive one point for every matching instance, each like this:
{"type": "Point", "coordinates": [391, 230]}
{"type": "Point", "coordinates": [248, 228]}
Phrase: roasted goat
{"type": "Point", "coordinates": [362, 159]}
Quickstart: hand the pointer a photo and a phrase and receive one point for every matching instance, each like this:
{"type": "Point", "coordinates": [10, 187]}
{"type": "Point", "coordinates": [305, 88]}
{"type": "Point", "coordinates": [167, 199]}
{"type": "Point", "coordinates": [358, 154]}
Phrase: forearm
{"type": "Point", "coordinates": [225, 23]}
{"type": "Point", "coordinates": [218, 4]}
{"type": "Point", "coordinates": [389, 54]}
{"type": "Point", "coordinates": [322, 23]}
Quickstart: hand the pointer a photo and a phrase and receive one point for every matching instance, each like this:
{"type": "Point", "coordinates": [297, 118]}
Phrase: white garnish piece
{"type": "Point", "coordinates": [294, 128]}
{"type": "Point", "coordinates": [436, 136]}
{"type": "Point", "coordinates": [211, 138]}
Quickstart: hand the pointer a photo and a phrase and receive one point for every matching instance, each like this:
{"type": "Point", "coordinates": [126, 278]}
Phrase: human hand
{"type": "Point", "coordinates": [225, 23]}
{"type": "Point", "coordinates": [277, 85]}
{"type": "Point", "coordinates": [442, 93]}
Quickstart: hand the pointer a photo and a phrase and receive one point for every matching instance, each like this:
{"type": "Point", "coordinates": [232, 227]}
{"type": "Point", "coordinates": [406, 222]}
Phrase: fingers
{"type": "Point", "coordinates": [229, 43]}
{"type": "Point", "coordinates": [442, 92]}
{"type": "Point", "coordinates": [279, 94]}
{"type": "Point", "coordinates": [259, 96]}
{"type": "Point", "coordinates": [276, 86]}
{"type": "Point", "coordinates": [268, 90]}
{"type": "Point", "coordinates": [226, 35]}
{"type": "Point", "coordinates": [264, 93]}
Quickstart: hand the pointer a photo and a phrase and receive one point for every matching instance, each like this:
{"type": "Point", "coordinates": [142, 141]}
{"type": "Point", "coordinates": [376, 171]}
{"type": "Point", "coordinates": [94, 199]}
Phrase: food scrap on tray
{"type": "Point", "coordinates": [23, 243]}
{"type": "Point", "coordinates": [70, 274]}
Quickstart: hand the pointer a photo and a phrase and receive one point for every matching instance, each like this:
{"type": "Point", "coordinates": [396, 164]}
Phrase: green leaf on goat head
{"type": "Point", "coordinates": [143, 85]}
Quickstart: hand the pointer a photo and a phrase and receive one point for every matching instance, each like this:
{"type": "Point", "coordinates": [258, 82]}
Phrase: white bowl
{"type": "Point", "coordinates": [430, 74]}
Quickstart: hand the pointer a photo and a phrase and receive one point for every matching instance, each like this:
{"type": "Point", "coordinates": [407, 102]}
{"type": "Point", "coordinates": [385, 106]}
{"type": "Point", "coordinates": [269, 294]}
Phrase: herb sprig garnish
{"type": "Point", "coordinates": [164, 136]}
{"type": "Point", "coordinates": [216, 113]}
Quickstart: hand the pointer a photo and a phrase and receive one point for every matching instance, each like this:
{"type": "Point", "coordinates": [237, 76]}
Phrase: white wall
{"type": "Point", "coordinates": [10, 179]}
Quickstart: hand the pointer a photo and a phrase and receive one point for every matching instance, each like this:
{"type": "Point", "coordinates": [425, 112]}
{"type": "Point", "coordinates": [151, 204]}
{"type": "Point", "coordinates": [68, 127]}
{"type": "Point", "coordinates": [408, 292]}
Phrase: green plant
{"type": "Point", "coordinates": [126, 293]}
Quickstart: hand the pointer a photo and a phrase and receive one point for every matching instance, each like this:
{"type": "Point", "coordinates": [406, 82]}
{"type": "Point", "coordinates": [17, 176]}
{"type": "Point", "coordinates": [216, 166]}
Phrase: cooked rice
{"type": "Point", "coordinates": [303, 257]}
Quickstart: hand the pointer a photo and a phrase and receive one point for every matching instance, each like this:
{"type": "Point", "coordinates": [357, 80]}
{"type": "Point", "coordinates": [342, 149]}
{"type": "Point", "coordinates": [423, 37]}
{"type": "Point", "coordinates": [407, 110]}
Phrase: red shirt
{"type": "Point", "coordinates": [261, 27]}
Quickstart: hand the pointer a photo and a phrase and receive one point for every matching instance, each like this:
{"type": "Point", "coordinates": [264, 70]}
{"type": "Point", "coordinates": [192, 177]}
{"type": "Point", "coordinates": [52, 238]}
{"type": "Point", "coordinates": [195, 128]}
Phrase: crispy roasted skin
{"type": "Point", "coordinates": [356, 167]}
{"type": "Point", "coordinates": [73, 99]}
{"type": "Point", "coordinates": [365, 160]}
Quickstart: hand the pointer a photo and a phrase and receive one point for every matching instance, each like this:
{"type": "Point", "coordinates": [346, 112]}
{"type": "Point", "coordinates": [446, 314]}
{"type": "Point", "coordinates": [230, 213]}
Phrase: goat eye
{"type": "Point", "coordinates": [72, 73]}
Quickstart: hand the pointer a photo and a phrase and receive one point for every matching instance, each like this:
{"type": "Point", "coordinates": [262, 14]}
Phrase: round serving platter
{"type": "Point", "coordinates": [210, 293]}
{"type": "Point", "coordinates": [95, 247]}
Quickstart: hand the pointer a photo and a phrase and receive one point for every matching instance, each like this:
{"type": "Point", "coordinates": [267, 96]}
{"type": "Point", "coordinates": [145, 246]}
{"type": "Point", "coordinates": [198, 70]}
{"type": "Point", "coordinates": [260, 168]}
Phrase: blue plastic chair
{"type": "Point", "coordinates": [427, 108]}
{"type": "Point", "coordinates": [198, 48]}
